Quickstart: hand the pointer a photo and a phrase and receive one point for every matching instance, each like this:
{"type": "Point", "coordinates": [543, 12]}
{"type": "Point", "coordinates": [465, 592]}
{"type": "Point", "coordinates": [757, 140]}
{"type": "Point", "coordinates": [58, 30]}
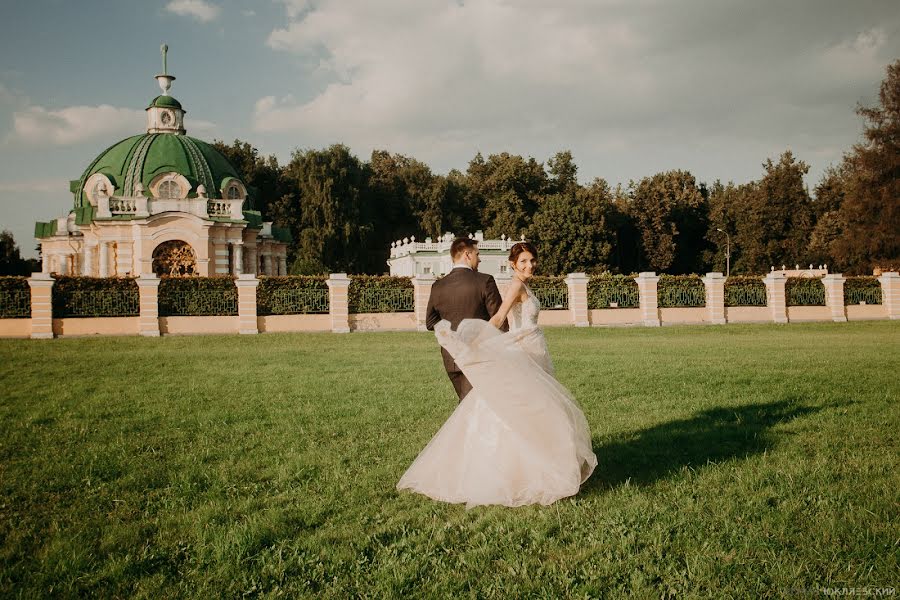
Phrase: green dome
{"type": "Point", "coordinates": [141, 158]}
{"type": "Point", "coordinates": [165, 101]}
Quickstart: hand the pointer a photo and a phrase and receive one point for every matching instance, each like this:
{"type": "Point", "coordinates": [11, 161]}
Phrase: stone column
{"type": "Point", "coordinates": [715, 298]}
{"type": "Point", "coordinates": [148, 290]}
{"type": "Point", "coordinates": [834, 296]}
{"type": "Point", "coordinates": [502, 280]}
{"type": "Point", "coordinates": [87, 266]}
{"type": "Point", "coordinates": [421, 293]}
{"type": "Point", "coordinates": [339, 302]}
{"type": "Point", "coordinates": [282, 265]}
{"type": "Point", "coordinates": [45, 260]}
{"type": "Point", "coordinates": [237, 259]}
{"type": "Point", "coordinates": [252, 261]}
{"type": "Point", "coordinates": [890, 294]}
{"type": "Point", "coordinates": [271, 269]}
{"type": "Point", "coordinates": [41, 285]}
{"type": "Point", "coordinates": [578, 299]}
{"type": "Point", "coordinates": [103, 248]}
{"type": "Point", "coordinates": [776, 296]}
{"type": "Point", "coordinates": [646, 283]}
{"type": "Point", "coordinates": [246, 289]}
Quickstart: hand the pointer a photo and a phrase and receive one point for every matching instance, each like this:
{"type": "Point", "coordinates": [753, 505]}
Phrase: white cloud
{"type": "Point", "coordinates": [615, 81]}
{"type": "Point", "coordinates": [199, 9]}
{"type": "Point", "coordinates": [38, 125]}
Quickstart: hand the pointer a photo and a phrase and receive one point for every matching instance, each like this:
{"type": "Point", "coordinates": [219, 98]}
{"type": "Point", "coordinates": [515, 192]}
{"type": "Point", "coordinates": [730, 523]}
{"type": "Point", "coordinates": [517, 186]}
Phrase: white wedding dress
{"type": "Point", "coordinates": [518, 437]}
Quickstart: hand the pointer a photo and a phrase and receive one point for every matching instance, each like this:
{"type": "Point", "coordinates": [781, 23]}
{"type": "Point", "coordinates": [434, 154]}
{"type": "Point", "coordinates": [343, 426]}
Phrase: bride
{"type": "Point", "coordinates": [518, 437]}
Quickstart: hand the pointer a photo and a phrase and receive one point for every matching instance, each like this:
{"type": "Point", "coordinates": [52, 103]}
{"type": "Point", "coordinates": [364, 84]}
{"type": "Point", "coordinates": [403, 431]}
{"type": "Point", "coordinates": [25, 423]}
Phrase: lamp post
{"type": "Point", "coordinates": [727, 252]}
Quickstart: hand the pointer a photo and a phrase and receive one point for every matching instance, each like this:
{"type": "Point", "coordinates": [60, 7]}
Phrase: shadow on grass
{"type": "Point", "coordinates": [714, 435]}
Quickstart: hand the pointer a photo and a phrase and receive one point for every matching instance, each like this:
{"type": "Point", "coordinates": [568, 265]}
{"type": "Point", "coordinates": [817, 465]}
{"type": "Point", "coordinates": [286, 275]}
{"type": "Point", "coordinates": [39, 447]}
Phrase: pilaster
{"type": "Point", "coordinates": [776, 296]}
{"type": "Point", "coordinates": [890, 294]}
{"type": "Point", "coordinates": [421, 294]}
{"type": "Point", "coordinates": [339, 302]}
{"type": "Point", "coordinates": [246, 289]}
{"type": "Point", "coordinates": [647, 283]}
{"type": "Point", "coordinates": [715, 298]}
{"type": "Point", "coordinates": [834, 296]}
{"type": "Point", "coordinates": [148, 293]}
{"type": "Point", "coordinates": [41, 285]}
{"type": "Point", "coordinates": [577, 284]}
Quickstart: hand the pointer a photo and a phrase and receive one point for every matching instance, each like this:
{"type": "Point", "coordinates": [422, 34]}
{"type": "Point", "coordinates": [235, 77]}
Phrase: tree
{"type": "Point", "coordinates": [671, 215]}
{"type": "Point", "coordinates": [563, 172]}
{"type": "Point", "coordinates": [869, 216]}
{"type": "Point", "coordinates": [774, 223]}
{"type": "Point", "coordinates": [725, 203]}
{"type": "Point", "coordinates": [262, 175]}
{"type": "Point", "coordinates": [11, 262]}
{"type": "Point", "coordinates": [335, 224]}
{"type": "Point", "coordinates": [570, 230]}
{"type": "Point", "coordinates": [508, 187]}
{"type": "Point", "coordinates": [829, 229]}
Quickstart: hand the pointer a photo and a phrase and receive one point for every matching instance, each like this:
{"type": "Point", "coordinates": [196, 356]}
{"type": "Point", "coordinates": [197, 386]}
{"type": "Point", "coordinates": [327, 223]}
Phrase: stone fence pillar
{"type": "Point", "coordinates": [715, 298]}
{"type": "Point", "coordinates": [776, 296]}
{"type": "Point", "coordinates": [834, 296]}
{"type": "Point", "coordinates": [148, 293]}
{"type": "Point", "coordinates": [246, 290]}
{"type": "Point", "coordinates": [646, 283]}
{"type": "Point", "coordinates": [41, 285]}
{"type": "Point", "coordinates": [421, 294]}
{"type": "Point", "coordinates": [577, 283]}
{"type": "Point", "coordinates": [890, 294]}
{"type": "Point", "coordinates": [339, 302]}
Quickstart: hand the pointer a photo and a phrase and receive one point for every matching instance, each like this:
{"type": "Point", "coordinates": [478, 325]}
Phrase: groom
{"type": "Point", "coordinates": [463, 293]}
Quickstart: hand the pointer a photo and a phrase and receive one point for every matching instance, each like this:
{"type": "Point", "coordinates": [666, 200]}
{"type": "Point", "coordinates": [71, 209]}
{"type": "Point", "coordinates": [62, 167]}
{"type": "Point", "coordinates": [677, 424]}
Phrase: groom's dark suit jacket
{"type": "Point", "coordinates": [461, 294]}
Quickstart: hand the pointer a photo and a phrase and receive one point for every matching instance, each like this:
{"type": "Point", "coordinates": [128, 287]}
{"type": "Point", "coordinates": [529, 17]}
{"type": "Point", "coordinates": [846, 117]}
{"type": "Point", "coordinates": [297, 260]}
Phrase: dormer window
{"type": "Point", "coordinates": [234, 192]}
{"type": "Point", "coordinates": [169, 190]}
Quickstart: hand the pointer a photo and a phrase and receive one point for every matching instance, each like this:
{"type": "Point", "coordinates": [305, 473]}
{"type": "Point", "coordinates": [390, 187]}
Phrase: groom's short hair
{"type": "Point", "coordinates": [460, 245]}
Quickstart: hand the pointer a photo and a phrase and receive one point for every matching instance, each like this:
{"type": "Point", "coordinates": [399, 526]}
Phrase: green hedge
{"type": "Point", "coordinates": [292, 295]}
{"type": "Point", "coordinates": [858, 290]}
{"type": "Point", "coordinates": [75, 297]}
{"type": "Point", "coordinates": [552, 292]}
{"type": "Point", "coordinates": [745, 290]}
{"type": "Point", "coordinates": [197, 296]}
{"type": "Point", "coordinates": [380, 293]}
{"type": "Point", "coordinates": [680, 290]}
{"type": "Point", "coordinates": [805, 291]}
{"type": "Point", "coordinates": [15, 298]}
{"type": "Point", "coordinates": [605, 290]}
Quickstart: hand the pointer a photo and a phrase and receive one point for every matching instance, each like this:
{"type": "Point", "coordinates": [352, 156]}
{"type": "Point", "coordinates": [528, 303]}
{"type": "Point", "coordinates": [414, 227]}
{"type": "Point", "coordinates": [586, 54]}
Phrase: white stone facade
{"type": "Point", "coordinates": [410, 258]}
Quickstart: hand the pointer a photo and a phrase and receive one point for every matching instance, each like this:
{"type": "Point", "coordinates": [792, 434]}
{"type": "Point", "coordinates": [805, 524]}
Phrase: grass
{"type": "Point", "coordinates": [736, 461]}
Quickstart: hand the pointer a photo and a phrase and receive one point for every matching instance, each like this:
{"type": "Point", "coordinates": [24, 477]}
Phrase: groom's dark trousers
{"type": "Point", "coordinates": [461, 294]}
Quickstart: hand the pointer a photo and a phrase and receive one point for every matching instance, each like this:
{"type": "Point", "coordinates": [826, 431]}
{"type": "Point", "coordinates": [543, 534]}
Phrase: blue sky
{"type": "Point", "coordinates": [630, 87]}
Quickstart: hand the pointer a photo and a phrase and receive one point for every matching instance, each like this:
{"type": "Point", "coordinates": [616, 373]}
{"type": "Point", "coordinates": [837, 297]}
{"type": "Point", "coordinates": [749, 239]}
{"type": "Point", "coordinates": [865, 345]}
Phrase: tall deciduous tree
{"type": "Point", "coordinates": [869, 215]}
{"type": "Point", "coordinates": [262, 175]}
{"type": "Point", "coordinates": [671, 215]}
{"type": "Point", "coordinates": [508, 188]}
{"type": "Point", "coordinates": [775, 223]}
{"type": "Point", "coordinates": [11, 262]}
{"type": "Point", "coordinates": [336, 223]}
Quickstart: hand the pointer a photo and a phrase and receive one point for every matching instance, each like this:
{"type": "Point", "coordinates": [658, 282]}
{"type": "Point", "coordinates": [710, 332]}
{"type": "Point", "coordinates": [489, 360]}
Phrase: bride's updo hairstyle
{"type": "Point", "coordinates": [520, 247]}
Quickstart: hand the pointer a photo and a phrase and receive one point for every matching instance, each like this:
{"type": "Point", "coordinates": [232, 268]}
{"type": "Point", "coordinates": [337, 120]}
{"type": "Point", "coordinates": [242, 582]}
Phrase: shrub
{"type": "Point", "coordinates": [15, 298]}
{"type": "Point", "coordinates": [805, 291]}
{"type": "Point", "coordinates": [197, 296]}
{"type": "Point", "coordinates": [745, 290]}
{"type": "Point", "coordinates": [95, 297]}
{"type": "Point", "coordinates": [380, 293]}
{"type": "Point", "coordinates": [680, 290]}
{"type": "Point", "coordinates": [606, 289]}
{"type": "Point", "coordinates": [294, 294]}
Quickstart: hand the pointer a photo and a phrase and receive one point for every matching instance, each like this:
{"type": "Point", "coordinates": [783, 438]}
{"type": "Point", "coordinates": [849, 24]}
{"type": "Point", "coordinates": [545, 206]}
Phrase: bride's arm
{"type": "Point", "coordinates": [513, 295]}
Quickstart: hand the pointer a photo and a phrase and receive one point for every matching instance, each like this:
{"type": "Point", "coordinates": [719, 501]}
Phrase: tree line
{"type": "Point", "coordinates": [343, 213]}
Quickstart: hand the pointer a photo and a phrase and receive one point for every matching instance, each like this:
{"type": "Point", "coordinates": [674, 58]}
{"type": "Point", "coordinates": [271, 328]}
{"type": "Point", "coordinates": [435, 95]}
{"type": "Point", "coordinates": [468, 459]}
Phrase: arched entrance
{"type": "Point", "coordinates": [174, 259]}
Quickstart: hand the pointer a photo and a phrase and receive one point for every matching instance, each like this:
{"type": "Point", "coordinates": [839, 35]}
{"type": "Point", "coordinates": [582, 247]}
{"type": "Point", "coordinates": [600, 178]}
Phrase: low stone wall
{"type": "Point", "coordinates": [96, 326]}
{"type": "Point", "coordinates": [195, 325]}
{"type": "Point", "coordinates": [340, 320]}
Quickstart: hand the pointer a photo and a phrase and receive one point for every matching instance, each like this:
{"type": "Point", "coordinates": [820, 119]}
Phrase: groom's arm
{"type": "Point", "coordinates": [432, 316]}
{"type": "Point", "coordinates": [493, 300]}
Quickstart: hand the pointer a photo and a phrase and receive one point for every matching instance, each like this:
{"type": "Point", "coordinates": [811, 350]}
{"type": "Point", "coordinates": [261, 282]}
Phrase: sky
{"type": "Point", "coordinates": [630, 87]}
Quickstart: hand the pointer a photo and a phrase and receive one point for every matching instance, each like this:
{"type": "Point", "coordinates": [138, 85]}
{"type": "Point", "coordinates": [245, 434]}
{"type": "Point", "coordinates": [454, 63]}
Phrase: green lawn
{"type": "Point", "coordinates": [735, 461]}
